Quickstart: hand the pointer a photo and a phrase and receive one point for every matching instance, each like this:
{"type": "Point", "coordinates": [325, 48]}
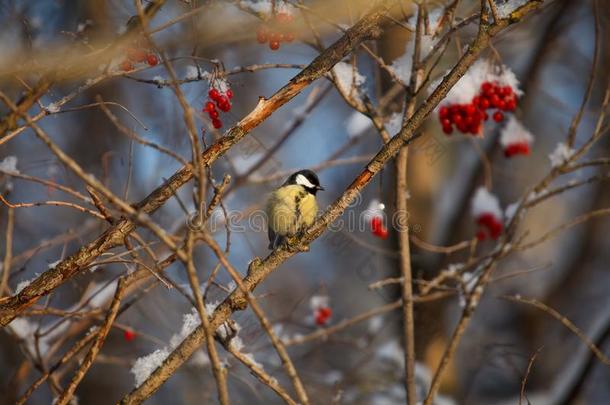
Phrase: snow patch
{"type": "Point", "coordinates": [561, 154]}
{"type": "Point", "coordinates": [9, 165]}
{"type": "Point", "coordinates": [485, 202]}
{"type": "Point", "coordinates": [514, 132]}
{"type": "Point", "coordinates": [356, 124]}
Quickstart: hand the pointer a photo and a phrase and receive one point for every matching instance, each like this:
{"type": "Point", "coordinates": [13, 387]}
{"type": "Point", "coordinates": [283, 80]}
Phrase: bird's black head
{"type": "Point", "coordinates": [307, 179]}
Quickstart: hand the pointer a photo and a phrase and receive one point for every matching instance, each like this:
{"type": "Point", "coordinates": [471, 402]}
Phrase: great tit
{"type": "Point", "coordinates": [292, 207]}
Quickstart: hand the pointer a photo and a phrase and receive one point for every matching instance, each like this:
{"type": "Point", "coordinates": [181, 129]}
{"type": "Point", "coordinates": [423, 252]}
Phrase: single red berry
{"type": "Point", "coordinates": [129, 335]}
{"type": "Point", "coordinates": [213, 114]}
{"type": "Point", "coordinates": [274, 45]}
{"type": "Point", "coordinates": [481, 235]}
{"type": "Point", "coordinates": [216, 123]}
{"type": "Point", "coordinates": [470, 109]}
{"type": "Point", "coordinates": [229, 93]}
{"type": "Point", "coordinates": [484, 103]}
{"type": "Point", "coordinates": [498, 116]}
{"type": "Point", "coordinates": [289, 37]}
{"type": "Point", "coordinates": [152, 59]}
{"type": "Point", "coordinates": [511, 105]}
{"type": "Point", "coordinates": [448, 129]}
{"type": "Point", "coordinates": [126, 66]}
{"type": "Point", "coordinates": [506, 91]}
{"type": "Point", "coordinates": [462, 127]}
{"type": "Point", "coordinates": [209, 106]}
{"type": "Point", "coordinates": [443, 112]}
{"type": "Point", "coordinates": [214, 94]}
{"type": "Point", "coordinates": [476, 100]}
{"type": "Point", "coordinates": [262, 36]}
{"type": "Point", "coordinates": [456, 119]}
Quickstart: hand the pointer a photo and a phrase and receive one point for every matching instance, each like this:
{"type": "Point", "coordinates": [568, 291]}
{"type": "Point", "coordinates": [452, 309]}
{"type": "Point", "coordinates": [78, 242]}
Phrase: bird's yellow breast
{"type": "Point", "coordinates": [291, 209]}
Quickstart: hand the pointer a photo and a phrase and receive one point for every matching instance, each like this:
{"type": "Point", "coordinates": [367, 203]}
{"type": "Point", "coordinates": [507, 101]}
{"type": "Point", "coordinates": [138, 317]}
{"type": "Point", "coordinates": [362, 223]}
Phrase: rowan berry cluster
{"type": "Point", "coordinates": [468, 118]}
{"type": "Point", "coordinates": [489, 225]}
{"type": "Point", "coordinates": [276, 31]}
{"type": "Point", "coordinates": [218, 99]}
{"type": "Point", "coordinates": [137, 54]}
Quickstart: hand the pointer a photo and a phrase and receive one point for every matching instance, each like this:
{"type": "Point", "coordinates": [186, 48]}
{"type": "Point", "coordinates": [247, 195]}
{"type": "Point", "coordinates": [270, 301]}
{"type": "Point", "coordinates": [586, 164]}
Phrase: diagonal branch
{"type": "Point", "coordinates": [260, 269]}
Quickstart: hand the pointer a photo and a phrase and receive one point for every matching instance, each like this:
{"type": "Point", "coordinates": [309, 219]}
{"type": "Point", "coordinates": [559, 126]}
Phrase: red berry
{"type": "Point", "coordinates": [462, 127]}
{"type": "Point", "coordinates": [322, 315]}
{"type": "Point", "coordinates": [229, 93]}
{"type": "Point", "coordinates": [445, 122]}
{"type": "Point", "coordinates": [448, 129]}
{"type": "Point", "coordinates": [152, 59]}
{"type": "Point", "coordinates": [506, 91]}
{"type": "Point", "coordinates": [376, 224]}
{"type": "Point", "coordinates": [476, 100]}
{"type": "Point", "coordinates": [216, 123]}
{"type": "Point", "coordinates": [443, 112]}
{"type": "Point", "coordinates": [511, 105]}
{"type": "Point", "coordinates": [470, 109]}
{"type": "Point", "coordinates": [209, 106]}
{"type": "Point", "coordinates": [487, 88]}
{"type": "Point", "coordinates": [262, 35]}
{"type": "Point", "coordinates": [480, 235]}
{"type": "Point", "coordinates": [484, 103]}
{"type": "Point", "coordinates": [213, 114]}
{"type": "Point", "coordinates": [129, 335]}
{"type": "Point", "coordinates": [274, 45]}
{"type": "Point", "coordinates": [223, 103]}
{"type": "Point", "coordinates": [498, 116]}
{"type": "Point", "coordinates": [456, 119]}
{"type": "Point", "coordinates": [126, 66]}
{"type": "Point", "coordinates": [289, 37]}
{"type": "Point", "coordinates": [214, 94]}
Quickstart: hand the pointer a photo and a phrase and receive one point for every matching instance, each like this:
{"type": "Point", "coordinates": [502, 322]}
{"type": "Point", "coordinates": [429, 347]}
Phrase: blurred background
{"type": "Point", "coordinates": [551, 53]}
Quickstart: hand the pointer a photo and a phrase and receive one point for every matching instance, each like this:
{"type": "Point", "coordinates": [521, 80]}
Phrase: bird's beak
{"type": "Point", "coordinates": [319, 188]}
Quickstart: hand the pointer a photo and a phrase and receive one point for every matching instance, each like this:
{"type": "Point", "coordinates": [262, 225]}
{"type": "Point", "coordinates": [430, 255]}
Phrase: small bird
{"type": "Point", "coordinates": [292, 208]}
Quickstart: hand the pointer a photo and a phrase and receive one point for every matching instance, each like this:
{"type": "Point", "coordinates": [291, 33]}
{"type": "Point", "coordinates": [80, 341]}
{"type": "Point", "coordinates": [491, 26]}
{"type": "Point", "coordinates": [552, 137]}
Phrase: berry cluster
{"type": "Point", "coordinates": [276, 32]}
{"type": "Point", "coordinates": [521, 148]}
{"type": "Point", "coordinates": [129, 335]}
{"type": "Point", "coordinates": [378, 228]}
{"type": "Point", "coordinates": [488, 221]}
{"type": "Point", "coordinates": [468, 118]}
{"type": "Point", "coordinates": [322, 315]}
{"type": "Point", "coordinates": [223, 102]}
{"type": "Point", "coordinates": [137, 55]}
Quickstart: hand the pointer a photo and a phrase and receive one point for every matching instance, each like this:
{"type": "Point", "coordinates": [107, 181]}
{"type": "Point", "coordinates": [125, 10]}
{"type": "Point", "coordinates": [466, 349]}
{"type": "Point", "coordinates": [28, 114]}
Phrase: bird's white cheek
{"type": "Point", "coordinates": [302, 181]}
